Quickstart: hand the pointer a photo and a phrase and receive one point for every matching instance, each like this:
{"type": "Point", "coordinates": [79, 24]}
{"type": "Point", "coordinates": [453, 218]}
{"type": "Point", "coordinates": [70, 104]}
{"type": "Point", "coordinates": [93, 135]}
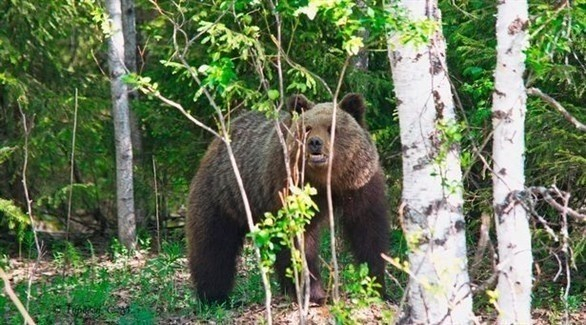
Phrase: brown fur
{"type": "Point", "coordinates": [216, 222]}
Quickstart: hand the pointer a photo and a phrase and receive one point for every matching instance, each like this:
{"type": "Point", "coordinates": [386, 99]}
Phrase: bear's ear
{"type": "Point", "coordinates": [354, 105]}
{"type": "Point", "coordinates": [299, 104]}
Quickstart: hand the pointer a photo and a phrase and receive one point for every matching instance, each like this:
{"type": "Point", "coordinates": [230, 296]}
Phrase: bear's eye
{"type": "Point", "coordinates": [307, 129]}
{"type": "Point", "coordinates": [329, 129]}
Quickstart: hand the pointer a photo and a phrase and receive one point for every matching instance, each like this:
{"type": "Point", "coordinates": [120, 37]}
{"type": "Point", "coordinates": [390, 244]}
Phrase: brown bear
{"type": "Point", "coordinates": [216, 221]}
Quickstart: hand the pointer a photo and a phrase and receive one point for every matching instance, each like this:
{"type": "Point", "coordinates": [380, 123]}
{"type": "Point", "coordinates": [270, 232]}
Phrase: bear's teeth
{"type": "Point", "coordinates": [317, 159]}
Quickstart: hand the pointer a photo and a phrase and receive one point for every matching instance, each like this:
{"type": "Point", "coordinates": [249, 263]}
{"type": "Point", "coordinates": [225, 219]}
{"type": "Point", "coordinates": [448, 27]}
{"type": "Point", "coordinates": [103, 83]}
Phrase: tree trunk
{"type": "Point", "coordinates": [360, 60]}
{"type": "Point", "coordinates": [432, 216]}
{"type": "Point", "coordinates": [512, 226]}
{"type": "Point", "coordinates": [123, 143]}
{"type": "Point", "coordinates": [130, 49]}
{"type": "Point", "coordinates": [129, 32]}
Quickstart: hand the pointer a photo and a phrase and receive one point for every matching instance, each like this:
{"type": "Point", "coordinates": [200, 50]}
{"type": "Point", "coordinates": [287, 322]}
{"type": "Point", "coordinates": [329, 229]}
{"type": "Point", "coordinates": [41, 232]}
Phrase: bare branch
{"type": "Point", "coordinates": [156, 204]}
{"type": "Point", "coordinates": [29, 206]}
{"type": "Point", "coordinates": [224, 136]}
{"type": "Point", "coordinates": [185, 113]}
{"type": "Point", "coordinates": [555, 104]}
{"type": "Point", "coordinates": [300, 67]}
{"type": "Point", "coordinates": [546, 194]}
{"type": "Point", "coordinates": [529, 205]}
{"type": "Point", "coordinates": [565, 248]}
{"type": "Point", "coordinates": [335, 292]}
{"type": "Point", "coordinates": [72, 168]}
{"type": "Point", "coordinates": [8, 289]}
{"type": "Point", "coordinates": [483, 242]}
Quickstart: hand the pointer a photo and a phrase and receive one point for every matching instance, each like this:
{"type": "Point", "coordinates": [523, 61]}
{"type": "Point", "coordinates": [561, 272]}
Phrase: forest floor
{"type": "Point", "coordinates": [155, 289]}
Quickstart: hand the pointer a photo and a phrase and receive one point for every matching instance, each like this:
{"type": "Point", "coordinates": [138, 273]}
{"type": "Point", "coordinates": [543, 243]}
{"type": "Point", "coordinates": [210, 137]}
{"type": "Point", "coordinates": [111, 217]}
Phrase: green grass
{"type": "Point", "coordinates": [117, 288]}
{"type": "Point", "coordinates": [117, 291]}
{"type": "Point", "coordinates": [79, 286]}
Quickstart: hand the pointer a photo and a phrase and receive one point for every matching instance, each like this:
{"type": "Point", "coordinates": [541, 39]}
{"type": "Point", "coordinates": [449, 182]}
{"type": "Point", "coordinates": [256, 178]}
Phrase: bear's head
{"type": "Point", "coordinates": [354, 159]}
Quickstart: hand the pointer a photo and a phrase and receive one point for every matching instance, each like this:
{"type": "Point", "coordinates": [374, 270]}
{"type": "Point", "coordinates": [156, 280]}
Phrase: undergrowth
{"type": "Point", "coordinates": [78, 286]}
{"type": "Point", "coordinates": [118, 288]}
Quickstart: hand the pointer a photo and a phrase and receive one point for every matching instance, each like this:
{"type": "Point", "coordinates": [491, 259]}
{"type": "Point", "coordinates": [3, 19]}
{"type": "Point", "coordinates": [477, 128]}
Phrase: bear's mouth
{"type": "Point", "coordinates": [317, 159]}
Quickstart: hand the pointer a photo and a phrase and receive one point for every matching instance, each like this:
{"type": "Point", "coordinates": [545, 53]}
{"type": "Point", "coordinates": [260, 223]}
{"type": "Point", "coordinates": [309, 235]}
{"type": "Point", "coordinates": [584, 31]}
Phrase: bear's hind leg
{"type": "Point", "coordinates": [213, 257]}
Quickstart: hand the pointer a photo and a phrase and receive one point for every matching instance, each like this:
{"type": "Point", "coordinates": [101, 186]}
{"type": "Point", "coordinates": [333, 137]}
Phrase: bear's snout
{"type": "Point", "coordinates": [315, 145]}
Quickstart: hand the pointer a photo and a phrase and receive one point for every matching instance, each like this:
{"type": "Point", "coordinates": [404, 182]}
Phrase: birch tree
{"type": "Point", "coordinates": [120, 113]}
{"type": "Point", "coordinates": [431, 209]}
{"type": "Point", "coordinates": [511, 219]}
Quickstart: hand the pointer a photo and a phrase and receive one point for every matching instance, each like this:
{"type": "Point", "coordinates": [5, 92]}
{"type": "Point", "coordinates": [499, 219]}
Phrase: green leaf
{"type": "Point", "coordinates": [273, 94]}
{"type": "Point", "coordinates": [310, 10]}
{"type": "Point", "coordinates": [353, 45]}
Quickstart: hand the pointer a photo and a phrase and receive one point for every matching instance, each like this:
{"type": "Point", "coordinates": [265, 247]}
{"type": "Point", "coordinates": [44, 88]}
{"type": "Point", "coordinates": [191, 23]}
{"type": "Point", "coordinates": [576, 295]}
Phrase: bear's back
{"type": "Point", "coordinates": [259, 156]}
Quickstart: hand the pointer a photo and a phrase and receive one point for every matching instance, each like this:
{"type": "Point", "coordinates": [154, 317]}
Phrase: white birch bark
{"type": "Point", "coordinates": [512, 226]}
{"type": "Point", "coordinates": [123, 143]}
{"type": "Point", "coordinates": [438, 290]}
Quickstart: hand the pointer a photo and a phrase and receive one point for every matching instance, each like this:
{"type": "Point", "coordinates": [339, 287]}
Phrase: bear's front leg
{"type": "Point", "coordinates": [317, 293]}
{"type": "Point", "coordinates": [366, 226]}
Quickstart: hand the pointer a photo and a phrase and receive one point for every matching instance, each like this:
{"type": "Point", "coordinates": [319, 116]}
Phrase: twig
{"type": "Point", "coordinates": [483, 242]}
{"type": "Point", "coordinates": [29, 205]}
{"type": "Point", "coordinates": [8, 289]}
{"type": "Point", "coordinates": [562, 4]}
{"type": "Point", "coordinates": [486, 284]}
{"type": "Point", "coordinates": [475, 149]}
{"type": "Point", "coordinates": [224, 137]}
{"type": "Point", "coordinates": [300, 67]}
{"type": "Point", "coordinates": [529, 205]}
{"type": "Point", "coordinates": [279, 53]}
{"type": "Point", "coordinates": [72, 168]}
{"type": "Point", "coordinates": [565, 249]}
{"type": "Point", "coordinates": [156, 205]}
{"type": "Point", "coordinates": [303, 284]}
{"type": "Point", "coordinates": [559, 272]}
{"type": "Point", "coordinates": [555, 104]}
{"type": "Point", "coordinates": [180, 108]}
{"type": "Point", "coordinates": [546, 194]}
{"type": "Point", "coordinates": [464, 12]}
{"type": "Point", "coordinates": [335, 291]}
